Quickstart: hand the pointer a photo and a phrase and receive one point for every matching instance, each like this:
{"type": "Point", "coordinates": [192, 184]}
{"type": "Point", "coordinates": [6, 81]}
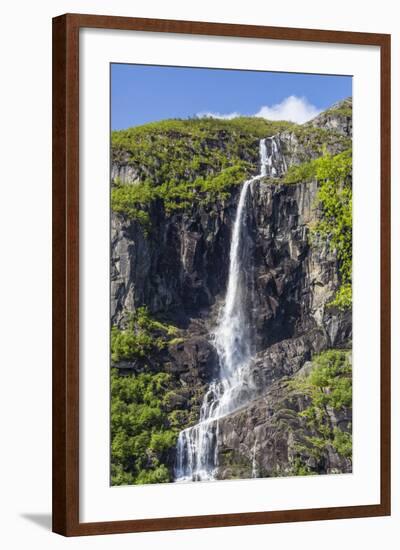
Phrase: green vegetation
{"type": "Point", "coordinates": [134, 200]}
{"type": "Point", "coordinates": [319, 140]}
{"type": "Point", "coordinates": [184, 162]}
{"type": "Point", "coordinates": [303, 172]}
{"type": "Point", "coordinates": [141, 433]}
{"type": "Point", "coordinates": [299, 468]}
{"type": "Point", "coordinates": [142, 336]}
{"type": "Point", "coordinates": [178, 150]}
{"type": "Point", "coordinates": [335, 197]}
{"type": "Point", "coordinates": [344, 109]}
{"type": "Point", "coordinates": [145, 421]}
{"type": "Point", "coordinates": [202, 189]}
{"type": "Point", "coordinates": [328, 387]}
{"type": "Point", "coordinates": [235, 464]}
{"type": "Point", "coordinates": [341, 112]}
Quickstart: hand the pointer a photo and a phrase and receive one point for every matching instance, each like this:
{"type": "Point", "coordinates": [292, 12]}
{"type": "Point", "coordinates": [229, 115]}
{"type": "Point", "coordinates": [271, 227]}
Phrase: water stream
{"type": "Point", "coordinates": [197, 447]}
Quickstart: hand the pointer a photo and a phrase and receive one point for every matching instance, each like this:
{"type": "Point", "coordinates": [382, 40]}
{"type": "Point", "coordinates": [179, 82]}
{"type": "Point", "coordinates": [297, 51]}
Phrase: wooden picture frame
{"type": "Point", "coordinates": [66, 273]}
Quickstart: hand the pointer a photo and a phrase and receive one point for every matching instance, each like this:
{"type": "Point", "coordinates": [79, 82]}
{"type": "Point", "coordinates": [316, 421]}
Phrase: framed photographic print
{"type": "Point", "coordinates": [221, 302]}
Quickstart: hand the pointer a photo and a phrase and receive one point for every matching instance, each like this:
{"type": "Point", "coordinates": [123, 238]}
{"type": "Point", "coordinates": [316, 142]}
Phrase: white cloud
{"type": "Point", "coordinates": [293, 108]}
{"type": "Point", "coordinates": [218, 115]}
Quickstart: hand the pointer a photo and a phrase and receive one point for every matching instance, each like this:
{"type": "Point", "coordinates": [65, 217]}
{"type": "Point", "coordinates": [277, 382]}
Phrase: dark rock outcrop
{"type": "Point", "coordinates": [264, 438]}
{"type": "Point", "coordinates": [338, 118]}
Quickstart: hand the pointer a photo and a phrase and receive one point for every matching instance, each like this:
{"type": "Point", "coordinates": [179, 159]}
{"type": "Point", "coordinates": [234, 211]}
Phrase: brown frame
{"type": "Point", "coordinates": [66, 273]}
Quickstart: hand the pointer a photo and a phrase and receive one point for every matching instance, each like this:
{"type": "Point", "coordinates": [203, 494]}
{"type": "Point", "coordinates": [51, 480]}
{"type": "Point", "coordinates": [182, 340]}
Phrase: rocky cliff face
{"type": "Point", "coordinates": [179, 270]}
{"type": "Point", "coordinates": [338, 118]}
{"type": "Point", "coordinates": [267, 438]}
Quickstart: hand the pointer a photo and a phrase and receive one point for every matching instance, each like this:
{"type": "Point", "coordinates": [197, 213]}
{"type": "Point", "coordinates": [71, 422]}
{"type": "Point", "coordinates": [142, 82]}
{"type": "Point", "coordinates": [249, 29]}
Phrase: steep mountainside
{"type": "Point", "coordinates": [339, 118]}
{"type": "Point", "coordinates": [175, 192]}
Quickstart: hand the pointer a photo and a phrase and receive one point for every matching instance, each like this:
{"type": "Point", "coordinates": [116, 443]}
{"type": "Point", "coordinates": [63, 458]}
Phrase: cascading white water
{"type": "Point", "coordinates": [254, 467]}
{"type": "Point", "coordinates": [273, 163]}
{"type": "Point", "coordinates": [197, 447]}
{"type": "Point", "coordinates": [264, 160]}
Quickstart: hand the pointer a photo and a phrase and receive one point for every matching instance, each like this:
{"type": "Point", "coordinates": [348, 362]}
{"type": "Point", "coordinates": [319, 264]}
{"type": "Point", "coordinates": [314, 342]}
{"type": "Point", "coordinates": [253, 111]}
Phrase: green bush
{"type": "Point", "coordinates": [345, 110]}
{"type": "Point", "coordinates": [143, 430]}
{"type": "Point", "coordinates": [142, 336]}
{"type": "Point", "coordinates": [298, 468]}
{"type": "Point", "coordinates": [162, 441]}
{"type": "Point", "coordinates": [129, 344]}
{"type": "Point", "coordinates": [300, 173]}
{"type": "Point", "coordinates": [132, 201]}
{"type": "Point", "coordinates": [335, 197]}
{"type": "Point", "coordinates": [160, 474]}
{"type": "Point", "coordinates": [141, 434]}
{"type": "Point", "coordinates": [332, 370]}
{"type": "Point", "coordinates": [342, 443]}
{"type": "Point", "coordinates": [320, 140]}
{"type": "Point", "coordinates": [328, 386]}
{"type": "Point", "coordinates": [333, 174]}
{"type": "Point", "coordinates": [343, 297]}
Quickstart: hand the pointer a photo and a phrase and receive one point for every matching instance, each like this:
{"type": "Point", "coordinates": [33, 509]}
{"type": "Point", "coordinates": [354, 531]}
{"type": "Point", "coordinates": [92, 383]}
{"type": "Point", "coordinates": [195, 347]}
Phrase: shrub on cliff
{"type": "Point", "coordinates": [328, 386]}
{"type": "Point", "coordinates": [333, 174]}
{"type": "Point", "coordinates": [141, 434]}
{"type": "Point", "coordinates": [134, 200]}
{"type": "Point", "coordinates": [335, 196]}
{"type": "Point", "coordinates": [142, 336]}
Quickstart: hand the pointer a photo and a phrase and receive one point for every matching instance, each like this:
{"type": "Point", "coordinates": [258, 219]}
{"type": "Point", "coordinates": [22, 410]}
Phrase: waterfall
{"type": "Point", "coordinates": [197, 446]}
{"type": "Point", "coordinates": [273, 163]}
{"type": "Point", "coordinates": [254, 467]}
{"type": "Point", "coordinates": [264, 160]}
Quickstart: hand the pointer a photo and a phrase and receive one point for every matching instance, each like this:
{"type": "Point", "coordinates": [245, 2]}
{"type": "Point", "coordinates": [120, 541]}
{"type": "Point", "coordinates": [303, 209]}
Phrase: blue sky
{"type": "Point", "coordinates": [141, 94]}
